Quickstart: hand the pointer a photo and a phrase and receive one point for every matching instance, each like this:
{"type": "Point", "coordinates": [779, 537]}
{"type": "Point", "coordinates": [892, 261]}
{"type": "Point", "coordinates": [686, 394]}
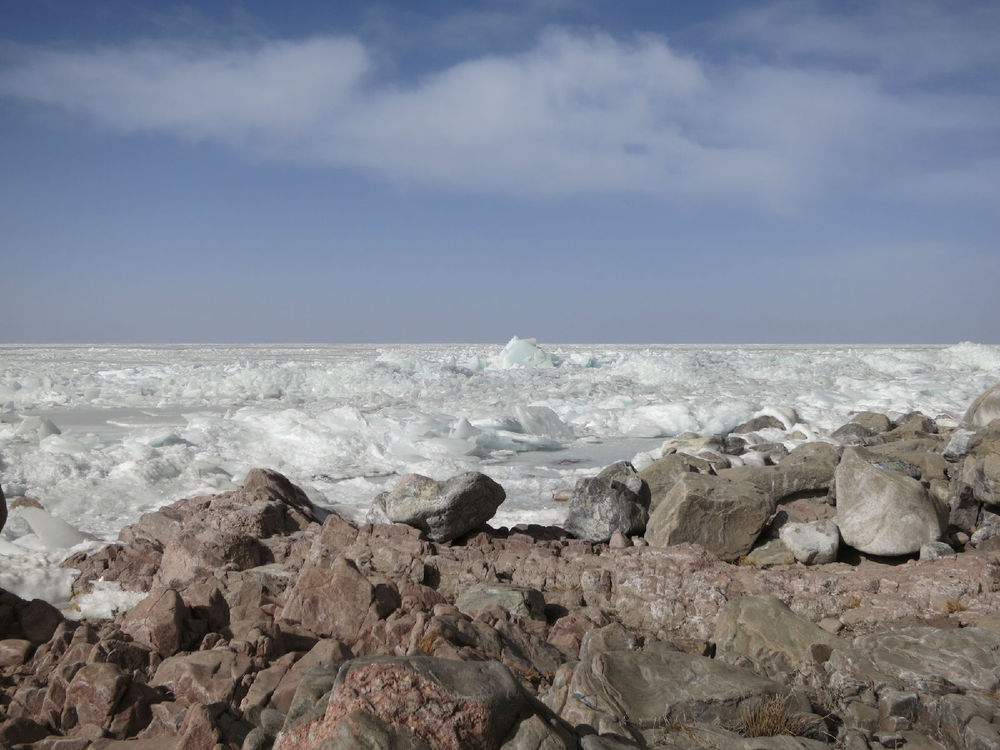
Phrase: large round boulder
{"type": "Point", "coordinates": [881, 511]}
{"type": "Point", "coordinates": [984, 409]}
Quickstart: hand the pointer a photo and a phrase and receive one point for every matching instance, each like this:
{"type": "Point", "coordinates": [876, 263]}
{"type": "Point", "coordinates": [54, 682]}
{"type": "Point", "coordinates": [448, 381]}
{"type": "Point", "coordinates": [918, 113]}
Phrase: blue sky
{"type": "Point", "coordinates": [575, 171]}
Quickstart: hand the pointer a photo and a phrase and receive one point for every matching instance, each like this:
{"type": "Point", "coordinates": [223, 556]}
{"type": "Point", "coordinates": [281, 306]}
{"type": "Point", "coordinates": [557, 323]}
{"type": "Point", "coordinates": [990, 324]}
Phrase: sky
{"type": "Point", "coordinates": [441, 171]}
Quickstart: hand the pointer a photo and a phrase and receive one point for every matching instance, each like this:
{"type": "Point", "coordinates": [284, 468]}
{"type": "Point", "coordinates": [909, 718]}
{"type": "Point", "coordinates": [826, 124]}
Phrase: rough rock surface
{"type": "Point", "coordinates": [442, 510]}
{"type": "Point", "coordinates": [883, 511]}
{"type": "Point", "coordinates": [448, 705]}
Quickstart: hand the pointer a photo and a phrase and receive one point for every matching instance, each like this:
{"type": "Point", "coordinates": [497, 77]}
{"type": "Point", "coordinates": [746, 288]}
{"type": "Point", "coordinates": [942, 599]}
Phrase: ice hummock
{"type": "Point", "coordinates": [524, 353]}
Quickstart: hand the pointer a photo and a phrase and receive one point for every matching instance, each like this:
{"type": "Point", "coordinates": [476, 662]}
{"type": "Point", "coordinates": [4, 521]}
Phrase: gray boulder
{"type": "Point", "coordinates": [625, 473]}
{"type": "Point", "coordinates": [616, 499]}
{"type": "Point", "coordinates": [978, 482]}
{"type": "Point", "coordinates": [763, 630]}
{"type": "Point", "coordinates": [984, 409]}
{"type": "Point", "coordinates": [812, 543]}
{"type": "Point", "coordinates": [764, 422]}
{"type": "Point", "coordinates": [723, 516]}
{"type": "Point", "coordinates": [881, 511]}
{"type": "Point", "coordinates": [442, 510]}
{"type": "Point", "coordinates": [873, 421]}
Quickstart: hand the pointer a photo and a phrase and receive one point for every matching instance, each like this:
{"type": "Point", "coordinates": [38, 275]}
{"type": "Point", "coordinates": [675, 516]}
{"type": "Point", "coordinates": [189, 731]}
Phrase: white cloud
{"type": "Point", "coordinates": [575, 114]}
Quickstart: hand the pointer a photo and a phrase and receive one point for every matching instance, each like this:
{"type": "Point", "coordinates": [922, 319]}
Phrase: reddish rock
{"type": "Point", "coordinates": [335, 602]}
{"type": "Point", "coordinates": [205, 676]}
{"type": "Point", "coordinates": [158, 622]}
{"type": "Point", "coordinates": [326, 652]}
{"type": "Point", "coordinates": [448, 705]}
{"type": "Point", "coordinates": [92, 695]}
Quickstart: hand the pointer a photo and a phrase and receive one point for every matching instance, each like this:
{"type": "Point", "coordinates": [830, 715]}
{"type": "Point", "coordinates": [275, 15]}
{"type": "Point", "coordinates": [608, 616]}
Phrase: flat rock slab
{"type": "Point", "coordinates": [644, 687]}
{"type": "Point", "coordinates": [968, 658]}
{"type": "Point", "coordinates": [764, 630]}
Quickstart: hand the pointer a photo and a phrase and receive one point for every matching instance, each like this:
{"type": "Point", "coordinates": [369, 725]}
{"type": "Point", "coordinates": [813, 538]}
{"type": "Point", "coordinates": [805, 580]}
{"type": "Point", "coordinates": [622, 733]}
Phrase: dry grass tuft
{"type": "Point", "coordinates": [952, 606]}
{"type": "Point", "coordinates": [770, 717]}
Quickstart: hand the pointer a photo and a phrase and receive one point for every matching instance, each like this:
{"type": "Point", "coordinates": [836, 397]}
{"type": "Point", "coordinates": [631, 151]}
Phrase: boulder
{"type": "Point", "coordinates": [723, 516]}
{"type": "Point", "coordinates": [3, 509]}
{"type": "Point", "coordinates": [873, 421]}
{"type": "Point", "coordinates": [204, 676]}
{"type": "Point", "coordinates": [442, 510]}
{"type": "Point", "coordinates": [881, 511]}
{"type": "Point", "coordinates": [774, 552]}
{"type": "Point", "coordinates": [336, 602]}
{"type": "Point", "coordinates": [92, 694]}
{"type": "Point", "coordinates": [852, 433]}
{"type": "Point", "coordinates": [661, 475]}
{"type": "Point", "coordinates": [273, 486]}
{"type": "Point", "coordinates": [763, 422]}
{"type": "Point", "coordinates": [207, 551]}
{"type": "Point", "coordinates": [984, 409]}
{"type": "Point", "coordinates": [448, 705]}
{"type": "Point", "coordinates": [812, 543]}
{"type": "Point", "coordinates": [519, 601]}
{"type": "Point", "coordinates": [158, 622]}
{"type": "Point", "coordinates": [624, 472]}
{"type": "Point", "coordinates": [603, 504]}
{"type": "Point", "coordinates": [764, 631]}
{"type": "Point", "coordinates": [978, 483]}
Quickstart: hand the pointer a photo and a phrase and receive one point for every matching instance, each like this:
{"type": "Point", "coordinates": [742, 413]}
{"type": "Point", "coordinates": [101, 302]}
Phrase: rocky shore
{"type": "Point", "coordinates": [731, 594]}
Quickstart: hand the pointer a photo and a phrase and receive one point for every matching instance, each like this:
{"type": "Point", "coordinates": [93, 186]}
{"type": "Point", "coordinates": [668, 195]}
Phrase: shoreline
{"type": "Point", "coordinates": [320, 628]}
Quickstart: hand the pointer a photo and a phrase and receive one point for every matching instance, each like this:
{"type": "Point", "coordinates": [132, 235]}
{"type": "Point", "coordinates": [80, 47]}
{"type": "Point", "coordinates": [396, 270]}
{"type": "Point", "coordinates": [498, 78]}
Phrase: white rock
{"type": "Point", "coordinates": [812, 543]}
{"type": "Point", "coordinates": [881, 511]}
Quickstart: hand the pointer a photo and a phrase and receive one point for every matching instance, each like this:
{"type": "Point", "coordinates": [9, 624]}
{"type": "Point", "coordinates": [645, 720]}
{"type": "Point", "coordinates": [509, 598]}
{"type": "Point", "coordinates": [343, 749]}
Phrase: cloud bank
{"type": "Point", "coordinates": [812, 105]}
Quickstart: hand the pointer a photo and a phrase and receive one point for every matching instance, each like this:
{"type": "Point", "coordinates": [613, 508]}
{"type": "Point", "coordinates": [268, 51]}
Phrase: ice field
{"type": "Point", "coordinates": [101, 434]}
